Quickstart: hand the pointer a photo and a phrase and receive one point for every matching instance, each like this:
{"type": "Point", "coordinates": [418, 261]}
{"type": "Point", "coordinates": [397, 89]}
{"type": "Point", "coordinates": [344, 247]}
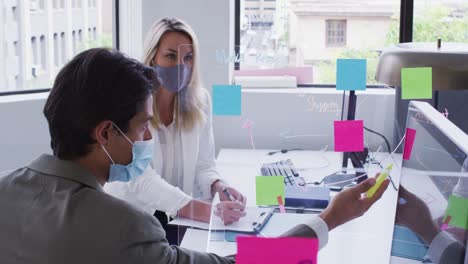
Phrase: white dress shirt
{"type": "Point", "coordinates": [321, 230]}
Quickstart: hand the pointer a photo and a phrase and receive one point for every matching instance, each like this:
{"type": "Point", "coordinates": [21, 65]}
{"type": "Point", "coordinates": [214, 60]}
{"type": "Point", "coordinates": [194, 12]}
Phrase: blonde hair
{"type": "Point", "coordinates": [194, 101]}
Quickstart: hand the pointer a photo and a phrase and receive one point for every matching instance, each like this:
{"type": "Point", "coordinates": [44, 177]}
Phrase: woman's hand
{"type": "Point", "coordinates": [230, 212]}
{"type": "Point", "coordinates": [219, 187]}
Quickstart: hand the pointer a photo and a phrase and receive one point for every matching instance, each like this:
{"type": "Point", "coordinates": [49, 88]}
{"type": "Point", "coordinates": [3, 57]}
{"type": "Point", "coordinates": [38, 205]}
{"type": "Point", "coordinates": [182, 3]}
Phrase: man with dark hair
{"type": "Point", "coordinates": [54, 210]}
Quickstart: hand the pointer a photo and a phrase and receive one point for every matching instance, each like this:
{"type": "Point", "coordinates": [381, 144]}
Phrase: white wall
{"type": "Point", "coordinates": [24, 134]}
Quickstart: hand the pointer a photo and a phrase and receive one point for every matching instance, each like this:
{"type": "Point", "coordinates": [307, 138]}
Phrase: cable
{"type": "Point", "coordinates": [382, 136]}
{"type": "Point", "coordinates": [342, 105]}
{"type": "Point", "coordinates": [282, 151]}
{"type": "Point", "coordinates": [389, 156]}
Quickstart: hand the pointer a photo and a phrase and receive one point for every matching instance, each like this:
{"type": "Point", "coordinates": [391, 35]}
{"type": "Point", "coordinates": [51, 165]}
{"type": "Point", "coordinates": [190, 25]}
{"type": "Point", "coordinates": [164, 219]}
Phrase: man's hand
{"type": "Point", "coordinates": [349, 204]}
{"type": "Point", "coordinates": [230, 212]}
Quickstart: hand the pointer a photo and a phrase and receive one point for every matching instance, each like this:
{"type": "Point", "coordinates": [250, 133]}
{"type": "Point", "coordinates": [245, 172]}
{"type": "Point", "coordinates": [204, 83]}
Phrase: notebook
{"type": "Point", "coordinates": [256, 218]}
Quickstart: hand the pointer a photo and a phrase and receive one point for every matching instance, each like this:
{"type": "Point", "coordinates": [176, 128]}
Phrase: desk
{"type": "Point", "coordinates": [367, 239]}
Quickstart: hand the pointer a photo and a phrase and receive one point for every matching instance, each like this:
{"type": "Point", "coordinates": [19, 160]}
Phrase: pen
{"type": "Point", "coordinates": [229, 195]}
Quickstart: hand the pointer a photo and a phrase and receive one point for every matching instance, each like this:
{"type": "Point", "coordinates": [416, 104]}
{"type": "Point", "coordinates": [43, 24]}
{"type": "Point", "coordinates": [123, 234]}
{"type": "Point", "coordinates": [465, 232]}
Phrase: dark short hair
{"type": "Point", "coordinates": [96, 85]}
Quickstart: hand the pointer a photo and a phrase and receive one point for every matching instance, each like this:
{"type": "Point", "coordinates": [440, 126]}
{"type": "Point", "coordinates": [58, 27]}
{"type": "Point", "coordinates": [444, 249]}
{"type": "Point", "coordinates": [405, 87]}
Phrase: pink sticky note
{"type": "Point", "coordinates": [349, 136]}
{"type": "Point", "coordinates": [284, 250]}
{"type": "Point", "coordinates": [446, 222]}
{"type": "Point", "coordinates": [409, 141]}
{"type": "Point", "coordinates": [281, 205]}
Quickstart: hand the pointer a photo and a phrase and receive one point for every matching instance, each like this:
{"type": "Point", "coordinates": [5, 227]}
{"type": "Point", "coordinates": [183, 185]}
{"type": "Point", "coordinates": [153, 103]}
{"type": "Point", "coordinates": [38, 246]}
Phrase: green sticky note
{"type": "Point", "coordinates": [268, 188]}
{"type": "Point", "coordinates": [458, 210]}
{"type": "Point", "coordinates": [416, 83]}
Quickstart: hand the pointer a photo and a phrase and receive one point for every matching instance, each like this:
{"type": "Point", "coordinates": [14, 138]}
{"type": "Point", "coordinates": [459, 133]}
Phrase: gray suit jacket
{"type": "Point", "coordinates": [454, 254]}
{"type": "Point", "coordinates": [54, 211]}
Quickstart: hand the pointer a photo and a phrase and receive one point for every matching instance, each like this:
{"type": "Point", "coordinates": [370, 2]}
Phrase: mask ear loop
{"type": "Point", "coordinates": [103, 148]}
{"type": "Point", "coordinates": [123, 134]}
{"type": "Point", "coordinates": [107, 153]}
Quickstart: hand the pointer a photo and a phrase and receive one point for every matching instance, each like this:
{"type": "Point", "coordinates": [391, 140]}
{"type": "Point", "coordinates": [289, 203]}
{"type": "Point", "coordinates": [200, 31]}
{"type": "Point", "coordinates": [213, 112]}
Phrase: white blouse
{"type": "Point", "coordinates": [183, 168]}
{"type": "Point", "coordinates": [172, 165]}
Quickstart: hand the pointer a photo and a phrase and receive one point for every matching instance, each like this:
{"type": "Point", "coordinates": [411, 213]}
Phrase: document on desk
{"type": "Point", "coordinates": [245, 224]}
{"type": "Point", "coordinates": [276, 226]}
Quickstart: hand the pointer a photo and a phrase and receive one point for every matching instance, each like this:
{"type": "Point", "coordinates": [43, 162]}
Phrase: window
{"type": "Point", "coordinates": [314, 34]}
{"type": "Point", "coordinates": [34, 5]}
{"type": "Point", "coordinates": [43, 53]}
{"type": "Point", "coordinates": [35, 52]}
{"type": "Point", "coordinates": [56, 50]}
{"type": "Point", "coordinates": [92, 3]}
{"type": "Point", "coordinates": [76, 3]}
{"type": "Point", "coordinates": [94, 33]}
{"type": "Point", "coordinates": [14, 11]}
{"type": "Point", "coordinates": [16, 48]}
{"type": "Point", "coordinates": [336, 33]}
{"type": "Point", "coordinates": [63, 48]}
{"type": "Point", "coordinates": [80, 37]}
{"type": "Point", "coordinates": [74, 41]}
{"type": "Point", "coordinates": [40, 52]}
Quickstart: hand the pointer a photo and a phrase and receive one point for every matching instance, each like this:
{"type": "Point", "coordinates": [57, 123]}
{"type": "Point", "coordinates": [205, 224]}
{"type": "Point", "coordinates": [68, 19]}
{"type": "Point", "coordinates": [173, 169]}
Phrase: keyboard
{"type": "Point", "coordinates": [281, 168]}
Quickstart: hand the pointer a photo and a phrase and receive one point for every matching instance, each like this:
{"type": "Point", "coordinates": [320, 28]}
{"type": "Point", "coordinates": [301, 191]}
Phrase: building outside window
{"type": "Point", "coordinates": [315, 33]}
{"type": "Point", "coordinates": [336, 33]}
{"type": "Point", "coordinates": [37, 38]}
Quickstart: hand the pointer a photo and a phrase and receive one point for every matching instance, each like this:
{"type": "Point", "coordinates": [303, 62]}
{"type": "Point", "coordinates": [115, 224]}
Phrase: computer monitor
{"type": "Point", "coordinates": [432, 212]}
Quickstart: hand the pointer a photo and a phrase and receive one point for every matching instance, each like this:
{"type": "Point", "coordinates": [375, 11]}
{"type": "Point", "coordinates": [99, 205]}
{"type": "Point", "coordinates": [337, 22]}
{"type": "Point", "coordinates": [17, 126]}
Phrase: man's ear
{"type": "Point", "coordinates": [103, 131]}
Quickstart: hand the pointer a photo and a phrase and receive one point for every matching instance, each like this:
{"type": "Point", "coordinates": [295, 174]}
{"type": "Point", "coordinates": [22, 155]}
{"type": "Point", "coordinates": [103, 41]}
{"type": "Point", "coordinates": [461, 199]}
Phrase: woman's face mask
{"type": "Point", "coordinates": [175, 78]}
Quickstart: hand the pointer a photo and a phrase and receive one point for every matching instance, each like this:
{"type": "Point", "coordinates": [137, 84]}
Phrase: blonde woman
{"type": "Point", "coordinates": [183, 172]}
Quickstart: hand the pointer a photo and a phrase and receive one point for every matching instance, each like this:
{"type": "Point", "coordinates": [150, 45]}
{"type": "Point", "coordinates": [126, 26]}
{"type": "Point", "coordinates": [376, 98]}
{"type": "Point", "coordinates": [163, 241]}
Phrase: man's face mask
{"type": "Point", "coordinates": [142, 155]}
{"type": "Point", "coordinates": [175, 78]}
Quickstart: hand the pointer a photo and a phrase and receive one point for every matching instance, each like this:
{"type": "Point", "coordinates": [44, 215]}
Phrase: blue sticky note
{"type": "Point", "coordinates": [227, 100]}
{"type": "Point", "coordinates": [351, 74]}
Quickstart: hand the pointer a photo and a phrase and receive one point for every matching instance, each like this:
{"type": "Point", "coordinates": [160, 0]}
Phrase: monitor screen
{"type": "Point", "coordinates": [432, 213]}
